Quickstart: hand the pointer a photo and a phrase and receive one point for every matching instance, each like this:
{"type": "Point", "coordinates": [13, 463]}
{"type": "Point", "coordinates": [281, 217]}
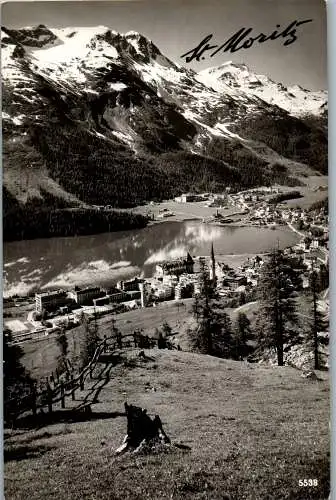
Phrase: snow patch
{"type": "Point", "coordinates": [157, 72]}
{"type": "Point", "coordinates": [102, 136]}
{"type": "Point", "coordinates": [17, 120]}
{"type": "Point", "coordinates": [132, 33]}
{"type": "Point", "coordinates": [212, 130]}
{"type": "Point", "coordinates": [136, 45]}
{"type": "Point", "coordinates": [79, 33]}
{"type": "Point", "coordinates": [79, 52]}
{"type": "Point", "coordinates": [118, 86]}
{"type": "Point", "coordinates": [90, 91]}
{"type": "Point", "coordinates": [223, 128]}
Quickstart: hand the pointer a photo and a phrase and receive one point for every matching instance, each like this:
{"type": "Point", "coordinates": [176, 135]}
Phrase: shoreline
{"type": "Point", "coordinates": [219, 224]}
{"type": "Point", "coordinates": [234, 256]}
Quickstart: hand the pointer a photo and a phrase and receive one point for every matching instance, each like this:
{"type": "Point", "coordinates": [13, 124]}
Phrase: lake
{"type": "Point", "coordinates": [105, 258]}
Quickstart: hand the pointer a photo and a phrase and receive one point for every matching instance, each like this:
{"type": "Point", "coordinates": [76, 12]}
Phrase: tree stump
{"type": "Point", "coordinates": [141, 430]}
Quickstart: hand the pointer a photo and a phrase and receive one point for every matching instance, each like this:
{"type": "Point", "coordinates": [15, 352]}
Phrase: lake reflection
{"type": "Point", "coordinates": [105, 258]}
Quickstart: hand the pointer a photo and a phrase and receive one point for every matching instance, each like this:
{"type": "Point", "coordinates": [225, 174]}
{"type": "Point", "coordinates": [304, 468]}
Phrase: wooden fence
{"type": "Point", "coordinates": [62, 389]}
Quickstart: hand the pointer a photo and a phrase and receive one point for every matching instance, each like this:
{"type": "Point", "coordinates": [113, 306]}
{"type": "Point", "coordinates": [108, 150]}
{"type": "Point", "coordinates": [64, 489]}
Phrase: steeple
{"type": "Point", "coordinates": [212, 253]}
{"type": "Point", "coordinates": [212, 264]}
{"type": "Point", "coordinates": [189, 258]}
{"type": "Point", "coordinates": [189, 263]}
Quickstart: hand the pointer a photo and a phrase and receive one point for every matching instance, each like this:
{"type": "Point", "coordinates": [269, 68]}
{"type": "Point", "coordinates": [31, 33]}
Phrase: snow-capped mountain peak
{"type": "Point", "coordinates": [73, 55]}
{"type": "Point", "coordinates": [232, 78]}
{"type": "Point", "coordinates": [102, 101]}
{"type": "Point", "coordinates": [94, 46]}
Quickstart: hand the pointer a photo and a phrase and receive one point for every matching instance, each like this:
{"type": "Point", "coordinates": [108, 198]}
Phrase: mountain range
{"type": "Point", "coordinates": [93, 116]}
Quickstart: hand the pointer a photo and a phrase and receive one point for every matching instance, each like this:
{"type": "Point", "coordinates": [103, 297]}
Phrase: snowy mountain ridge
{"type": "Point", "coordinates": [230, 77]}
{"type": "Point", "coordinates": [69, 51]}
{"type": "Point", "coordinates": [88, 103]}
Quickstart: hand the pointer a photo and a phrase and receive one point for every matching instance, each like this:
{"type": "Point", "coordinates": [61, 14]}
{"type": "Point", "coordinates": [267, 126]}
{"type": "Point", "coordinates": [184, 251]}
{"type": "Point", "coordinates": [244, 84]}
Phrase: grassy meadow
{"type": "Point", "coordinates": [253, 431]}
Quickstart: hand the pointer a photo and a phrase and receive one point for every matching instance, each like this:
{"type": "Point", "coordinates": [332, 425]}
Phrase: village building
{"type": "Point", "coordinates": [170, 279]}
{"type": "Point", "coordinates": [187, 286]}
{"type": "Point", "coordinates": [102, 301]}
{"type": "Point", "coordinates": [129, 285]}
{"type": "Point", "coordinates": [233, 282]}
{"type": "Point", "coordinates": [49, 301]}
{"type": "Point", "coordinates": [164, 292]}
{"type": "Point", "coordinates": [178, 291]}
{"type": "Point", "coordinates": [133, 295]}
{"type": "Point", "coordinates": [184, 290]}
{"type": "Point", "coordinates": [120, 297]}
{"type": "Point", "coordinates": [309, 260]}
{"type": "Point", "coordinates": [175, 267]}
{"type": "Point", "coordinates": [165, 214]}
{"type": "Point", "coordinates": [85, 296]}
{"type": "Point", "coordinates": [185, 198]}
{"type": "Point", "coordinates": [315, 243]}
{"type": "Point", "coordinates": [304, 244]}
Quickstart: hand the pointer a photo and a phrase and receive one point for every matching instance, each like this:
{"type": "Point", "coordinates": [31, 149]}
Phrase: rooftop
{"type": "Point", "coordinates": [180, 260]}
{"type": "Point", "coordinates": [88, 289]}
{"type": "Point", "coordinates": [50, 293]}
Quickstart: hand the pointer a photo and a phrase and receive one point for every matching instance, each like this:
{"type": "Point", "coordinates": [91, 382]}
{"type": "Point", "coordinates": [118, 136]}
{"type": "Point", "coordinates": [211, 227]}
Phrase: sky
{"type": "Point", "coordinates": [179, 26]}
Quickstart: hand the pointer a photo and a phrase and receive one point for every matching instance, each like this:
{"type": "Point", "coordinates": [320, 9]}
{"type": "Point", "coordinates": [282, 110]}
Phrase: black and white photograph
{"type": "Point", "coordinates": [165, 250]}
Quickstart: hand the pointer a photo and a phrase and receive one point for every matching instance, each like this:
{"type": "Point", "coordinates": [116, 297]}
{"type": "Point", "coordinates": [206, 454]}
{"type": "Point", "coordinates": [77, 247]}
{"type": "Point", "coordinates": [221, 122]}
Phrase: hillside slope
{"type": "Point", "coordinates": [92, 116]}
{"type": "Point", "coordinates": [253, 432]}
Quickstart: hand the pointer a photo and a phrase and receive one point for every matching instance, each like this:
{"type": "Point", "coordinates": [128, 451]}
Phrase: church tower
{"type": "Point", "coordinates": [212, 265]}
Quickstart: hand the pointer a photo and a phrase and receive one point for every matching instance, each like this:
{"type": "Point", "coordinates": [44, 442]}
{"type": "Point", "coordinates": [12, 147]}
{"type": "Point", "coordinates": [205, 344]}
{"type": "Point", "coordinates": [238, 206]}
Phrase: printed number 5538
{"type": "Point", "coordinates": [308, 482]}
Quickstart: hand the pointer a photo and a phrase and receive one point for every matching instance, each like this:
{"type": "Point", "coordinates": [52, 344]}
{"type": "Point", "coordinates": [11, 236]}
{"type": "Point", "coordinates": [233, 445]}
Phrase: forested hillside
{"type": "Point", "coordinates": [100, 118]}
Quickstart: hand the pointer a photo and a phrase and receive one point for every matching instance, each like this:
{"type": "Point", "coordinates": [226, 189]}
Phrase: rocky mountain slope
{"type": "Point", "coordinates": [92, 116]}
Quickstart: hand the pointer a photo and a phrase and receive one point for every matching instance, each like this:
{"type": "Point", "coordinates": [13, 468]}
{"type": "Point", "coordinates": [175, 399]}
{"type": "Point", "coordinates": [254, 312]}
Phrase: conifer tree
{"type": "Point", "coordinates": [222, 334]}
{"type": "Point", "coordinates": [323, 277]}
{"type": "Point", "coordinates": [63, 345]}
{"type": "Point", "coordinates": [213, 332]}
{"type": "Point", "coordinates": [277, 317]}
{"type": "Point", "coordinates": [318, 323]}
{"type": "Point", "coordinates": [90, 342]}
{"type": "Point", "coordinates": [201, 337]}
{"type": "Point", "coordinates": [242, 332]}
{"type": "Point", "coordinates": [17, 380]}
